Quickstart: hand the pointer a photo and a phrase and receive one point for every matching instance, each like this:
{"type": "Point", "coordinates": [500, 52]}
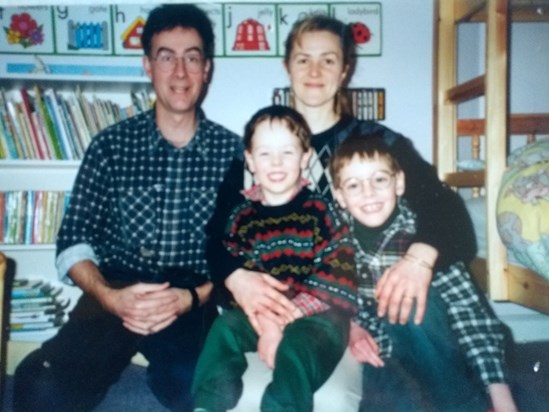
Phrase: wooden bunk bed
{"type": "Point", "coordinates": [502, 280]}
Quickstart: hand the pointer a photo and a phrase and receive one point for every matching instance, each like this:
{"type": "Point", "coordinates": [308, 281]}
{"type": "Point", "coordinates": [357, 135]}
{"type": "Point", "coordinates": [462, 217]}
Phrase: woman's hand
{"type": "Point", "coordinates": [407, 282]}
{"type": "Point", "coordinates": [257, 292]}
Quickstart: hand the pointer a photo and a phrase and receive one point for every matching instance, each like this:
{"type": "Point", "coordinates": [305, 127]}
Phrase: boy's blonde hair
{"type": "Point", "coordinates": [364, 147]}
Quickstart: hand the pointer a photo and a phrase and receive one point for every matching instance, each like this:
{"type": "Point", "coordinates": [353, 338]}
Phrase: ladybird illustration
{"type": "Point", "coordinates": [361, 33]}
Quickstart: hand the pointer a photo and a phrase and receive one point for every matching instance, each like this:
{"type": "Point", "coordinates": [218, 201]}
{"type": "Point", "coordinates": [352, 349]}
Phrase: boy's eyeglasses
{"type": "Point", "coordinates": [379, 180]}
{"type": "Point", "coordinates": [167, 62]}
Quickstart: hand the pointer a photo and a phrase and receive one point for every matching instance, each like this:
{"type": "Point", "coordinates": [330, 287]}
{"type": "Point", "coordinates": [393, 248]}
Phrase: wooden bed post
{"type": "Point", "coordinates": [496, 110]}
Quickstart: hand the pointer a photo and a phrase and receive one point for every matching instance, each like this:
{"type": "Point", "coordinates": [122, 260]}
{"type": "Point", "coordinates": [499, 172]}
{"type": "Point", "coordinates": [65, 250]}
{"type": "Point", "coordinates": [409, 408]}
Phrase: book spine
{"type": "Point", "coordinates": [73, 128]}
{"type": "Point", "coordinates": [51, 106]}
{"type": "Point", "coordinates": [41, 136]}
{"type": "Point", "coordinates": [29, 218]}
{"type": "Point", "coordinates": [28, 139]}
{"type": "Point", "coordinates": [48, 122]}
{"type": "Point", "coordinates": [22, 151]}
{"type": "Point", "coordinates": [2, 214]}
{"type": "Point", "coordinates": [38, 216]}
{"type": "Point", "coordinates": [34, 325]}
{"type": "Point", "coordinates": [27, 108]}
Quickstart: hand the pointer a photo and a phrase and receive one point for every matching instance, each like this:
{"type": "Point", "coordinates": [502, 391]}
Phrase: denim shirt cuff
{"type": "Point", "coordinates": [72, 255]}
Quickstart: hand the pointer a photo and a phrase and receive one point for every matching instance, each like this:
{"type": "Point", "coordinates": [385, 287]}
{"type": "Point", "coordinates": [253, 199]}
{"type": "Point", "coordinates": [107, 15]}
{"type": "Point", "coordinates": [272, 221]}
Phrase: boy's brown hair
{"type": "Point", "coordinates": [293, 120]}
{"type": "Point", "coordinates": [365, 147]}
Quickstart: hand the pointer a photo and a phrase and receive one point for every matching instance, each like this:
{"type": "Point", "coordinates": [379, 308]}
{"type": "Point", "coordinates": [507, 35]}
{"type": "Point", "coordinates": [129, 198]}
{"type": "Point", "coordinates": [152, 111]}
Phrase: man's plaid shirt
{"type": "Point", "coordinates": [479, 333]}
{"type": "Point", "coordinates": [139, 205]}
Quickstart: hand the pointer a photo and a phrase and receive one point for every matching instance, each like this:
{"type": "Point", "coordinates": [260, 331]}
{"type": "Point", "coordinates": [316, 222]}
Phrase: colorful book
{"type": "Point", "coordinates": [47, 120]}
{"type": "Point", "coordinates": [41, 136]}
{"type": "Point", "coordinates": [28, 108]}
{"type": "Point", "coordinates": [2, 213]}
{"type": "Point", "coordinates": [28, 139]}
{"type": "Point", "coordinates": [39, 294]}
{"type": "Point", "coordinates": [87, 111]}
{"type": "Point", "coordinates": [6, 137]}
{"type": "Point", "coordinates": [38, 215]}
{"type": "Point", "coordinates": [79, 121]}
{"type": "Point", "coordinates": [22, 151]}
{"type": "Point", "coordinates": [33, 326]}
{"type": "Point", "coordinates": [50, 98]}
{"type": "Point", "coordinates": [74, 139]}
{"type": "Point", "coordinates": [22, 212]}
{"type": "Point", "coordinates": [29, 218]}
{"type": "Point", "coordinates": [12, 202]}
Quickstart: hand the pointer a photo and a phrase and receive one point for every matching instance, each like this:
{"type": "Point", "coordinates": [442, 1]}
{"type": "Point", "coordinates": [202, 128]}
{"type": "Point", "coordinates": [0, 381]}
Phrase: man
{"type": "Point", "coordinates": [133, 235]}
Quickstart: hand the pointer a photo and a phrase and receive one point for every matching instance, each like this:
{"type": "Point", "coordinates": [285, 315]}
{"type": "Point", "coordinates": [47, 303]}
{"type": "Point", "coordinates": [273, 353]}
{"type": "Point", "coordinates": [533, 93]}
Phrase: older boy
{"type": "Point", "coordinates": [458, 348]}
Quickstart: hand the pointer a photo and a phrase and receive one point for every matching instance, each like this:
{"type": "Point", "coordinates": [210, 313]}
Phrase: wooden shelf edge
{"type": "Point", "coordinates": [467, 10]}
{"type": "Point", "coordinates": [527, 288]}
{"type": "Point", "coordinates": [474, 11]}
{"type": "Point", "coordinates": [466, 91]}
{"type": "Point", "coordinates": [26, 163]}
{"type": "Point", "coordinates": [523, 123]}
{"type": "Point", "coordinates": [470, 178]}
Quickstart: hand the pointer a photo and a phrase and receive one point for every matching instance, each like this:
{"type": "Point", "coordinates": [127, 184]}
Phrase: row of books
{"type": "Point", "coordinates": [48, 125]}
{"type": "Point", "coordinates": [364, 103]}
{"type": "Point", "coordinates": [31, 217]}
{"type": "Point", "coordinates": [36, 306]}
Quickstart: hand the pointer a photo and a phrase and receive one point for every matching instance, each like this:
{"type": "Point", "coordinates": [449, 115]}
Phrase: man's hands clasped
{"type": "Point", "coordinates": [147, 308]}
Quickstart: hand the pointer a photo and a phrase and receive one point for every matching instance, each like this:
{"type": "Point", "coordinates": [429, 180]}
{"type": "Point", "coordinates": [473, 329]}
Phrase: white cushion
{"type": "Point", "coordinates": [341, 391]}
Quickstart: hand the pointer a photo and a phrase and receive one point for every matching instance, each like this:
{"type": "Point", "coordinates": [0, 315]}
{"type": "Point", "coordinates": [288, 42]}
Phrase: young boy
{"type": "Point", "coordinates": [458, 348]}
{"type": "Point", "coordinates": [285, 230]}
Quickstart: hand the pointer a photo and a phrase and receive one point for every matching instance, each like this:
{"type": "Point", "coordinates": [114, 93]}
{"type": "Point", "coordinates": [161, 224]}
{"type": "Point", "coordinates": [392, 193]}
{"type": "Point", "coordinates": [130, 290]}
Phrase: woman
{"type": "Point", "coordinates": [319, 60]}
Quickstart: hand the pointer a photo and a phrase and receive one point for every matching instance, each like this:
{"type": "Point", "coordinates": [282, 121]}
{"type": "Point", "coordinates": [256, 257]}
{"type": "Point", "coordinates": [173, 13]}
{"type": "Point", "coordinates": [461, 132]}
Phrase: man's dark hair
{"type": "Point", "coordinates": [171, 16]}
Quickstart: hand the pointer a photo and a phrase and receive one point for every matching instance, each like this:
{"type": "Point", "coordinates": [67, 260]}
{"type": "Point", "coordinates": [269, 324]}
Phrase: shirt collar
{"type": "Point", "coordinates": [155, 135]}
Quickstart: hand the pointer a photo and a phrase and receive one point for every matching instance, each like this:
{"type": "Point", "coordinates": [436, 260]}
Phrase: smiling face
{"type": "Point", "coordinates": [316, 70]}
{"type": "Point", "coordinates": [276, 159]}
{"type": "Point", "coordinates": [178, 90]}
{"type": "Point", "coordinates": [369, 189]}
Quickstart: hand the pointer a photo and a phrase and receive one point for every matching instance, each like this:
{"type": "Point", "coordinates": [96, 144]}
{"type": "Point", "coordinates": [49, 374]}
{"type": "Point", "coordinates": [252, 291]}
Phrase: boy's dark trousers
{"type": "Point", "coordinates": [427, 370]}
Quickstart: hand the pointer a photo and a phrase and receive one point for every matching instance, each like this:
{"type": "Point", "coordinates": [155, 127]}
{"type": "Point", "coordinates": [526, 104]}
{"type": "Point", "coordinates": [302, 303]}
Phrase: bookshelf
{"type": "Point", "coordinates": [29, 174]}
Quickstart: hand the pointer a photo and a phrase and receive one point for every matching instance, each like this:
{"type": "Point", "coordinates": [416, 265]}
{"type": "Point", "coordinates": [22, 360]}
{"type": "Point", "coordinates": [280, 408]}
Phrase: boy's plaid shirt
{"type": "Point", "coordinates": [479, 333]}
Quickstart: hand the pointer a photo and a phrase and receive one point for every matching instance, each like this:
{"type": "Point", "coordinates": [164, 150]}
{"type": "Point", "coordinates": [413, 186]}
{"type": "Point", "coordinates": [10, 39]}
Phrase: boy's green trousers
{"type": "Point", "coordinates": [310, 350]}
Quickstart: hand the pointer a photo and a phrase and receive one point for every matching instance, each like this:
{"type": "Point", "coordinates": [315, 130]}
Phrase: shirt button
{"type": "Point", "coordinates": [146, 252]}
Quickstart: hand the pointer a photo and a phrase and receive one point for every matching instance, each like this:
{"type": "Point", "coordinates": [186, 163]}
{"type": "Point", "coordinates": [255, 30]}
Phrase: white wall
{"type": "Point", "coordinates": [528, 72]}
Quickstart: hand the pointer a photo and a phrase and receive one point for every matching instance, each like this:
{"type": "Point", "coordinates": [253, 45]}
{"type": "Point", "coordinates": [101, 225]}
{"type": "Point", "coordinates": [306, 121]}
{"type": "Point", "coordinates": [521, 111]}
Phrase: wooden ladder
{"type": "Point", "coordinates": [493, 85]}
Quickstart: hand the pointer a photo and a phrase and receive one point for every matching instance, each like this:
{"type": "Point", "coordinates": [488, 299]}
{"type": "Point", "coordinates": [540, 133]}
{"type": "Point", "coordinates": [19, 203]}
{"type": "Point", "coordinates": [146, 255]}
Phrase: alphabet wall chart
{"type": "Point", "coordinates": [107, 32]}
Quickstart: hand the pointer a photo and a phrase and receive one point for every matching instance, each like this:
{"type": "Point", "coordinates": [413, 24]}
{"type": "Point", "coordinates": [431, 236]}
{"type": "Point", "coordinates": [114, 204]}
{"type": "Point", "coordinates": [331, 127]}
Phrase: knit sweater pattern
{"type": "Point", "coordinates": [303, 243]}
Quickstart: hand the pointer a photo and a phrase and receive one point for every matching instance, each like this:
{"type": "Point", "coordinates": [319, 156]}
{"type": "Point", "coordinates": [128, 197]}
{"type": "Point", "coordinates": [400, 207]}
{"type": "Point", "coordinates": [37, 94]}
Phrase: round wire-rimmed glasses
{"type": "Point", "coordinates": [379, 180]}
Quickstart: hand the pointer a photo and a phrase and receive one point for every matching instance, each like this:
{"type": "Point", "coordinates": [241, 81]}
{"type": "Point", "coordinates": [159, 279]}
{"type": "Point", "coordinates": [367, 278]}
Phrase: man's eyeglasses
{"type": "Point", "coordinates": [192, 60]}
{"type": "Point", "coordinates": [380, 180]}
